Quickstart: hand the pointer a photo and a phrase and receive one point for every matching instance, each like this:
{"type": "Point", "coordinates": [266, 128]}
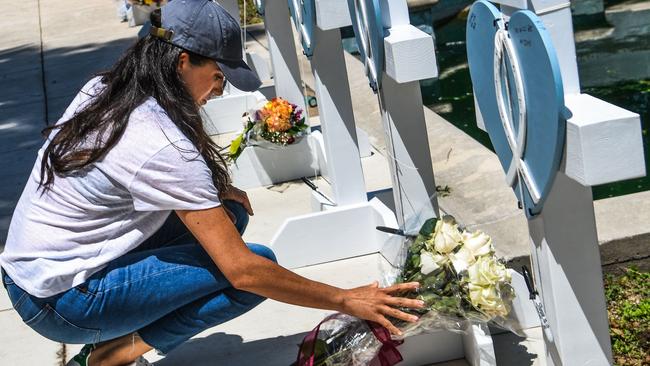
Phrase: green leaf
{"type": "Point", "coordinates": [297, 129]}
{"type": "Point", "coordinates": [428, 227]}
{"type": "Point", "coordinates": [236, 147]}
{"type": "Point", "coordinates": [415, 261]}
{"type": "Point", "coordinates": [418, 245]}
{"type": "Point", "coordinates": [416, 277]}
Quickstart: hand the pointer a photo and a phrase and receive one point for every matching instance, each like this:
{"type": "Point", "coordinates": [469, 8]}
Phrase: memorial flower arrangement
{"type": "Point", "coordinates": [461, 281]}
{"type": "Point", "coordinates": [458, 272]}
{"type": "Point", "coordinates": [277, 123]}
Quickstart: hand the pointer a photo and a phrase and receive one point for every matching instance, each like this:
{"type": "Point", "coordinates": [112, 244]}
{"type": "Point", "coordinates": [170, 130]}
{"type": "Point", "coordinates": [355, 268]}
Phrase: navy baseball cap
{"type": "Point", "coordinates": [205, 28]}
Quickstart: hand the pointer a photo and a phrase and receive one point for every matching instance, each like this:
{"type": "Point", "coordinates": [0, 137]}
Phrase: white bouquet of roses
{"type": "Point", "coordinates": [460, 276]}
{"type": "Point", "coordinates": [461, 282]}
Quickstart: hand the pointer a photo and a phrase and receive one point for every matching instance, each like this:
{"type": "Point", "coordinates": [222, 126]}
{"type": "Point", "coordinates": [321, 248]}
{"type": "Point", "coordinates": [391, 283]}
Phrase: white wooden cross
{"type": "Point", "coordinates": [603, 144]}
{"type": "Point", "coordinates": [346, 228]}
{"type": "Point", "coordinates": [282, 49]}
{"type": "Point", "coordinates": [332, 89]}
{"type": "Point", "coordinates": [409, 58]}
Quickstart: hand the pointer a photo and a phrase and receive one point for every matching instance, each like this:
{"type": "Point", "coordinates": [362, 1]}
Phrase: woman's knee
{"type": "Point", "coordinates": [263, 251]}
{"type": "Point", "coordinates": [245, 300]}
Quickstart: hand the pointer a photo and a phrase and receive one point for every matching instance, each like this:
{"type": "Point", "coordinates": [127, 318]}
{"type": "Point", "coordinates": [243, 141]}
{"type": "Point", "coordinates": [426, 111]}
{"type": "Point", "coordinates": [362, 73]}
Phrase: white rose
{"type": "Point", "coordinates": [446, 236]}
{"type": "Point", "coordinates": [429, 262]}
{"type": "Point", "coordinates": [478, 243]}
{"type": "Point", "coordinates": [487, 299]}
{"type": "Point", "coordinates": [487, 272]}
{"type": "Point", "coordinates": [462, 259]}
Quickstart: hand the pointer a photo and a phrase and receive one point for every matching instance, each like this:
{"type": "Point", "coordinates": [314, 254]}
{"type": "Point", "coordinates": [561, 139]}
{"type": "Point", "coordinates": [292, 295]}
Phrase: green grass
{"type": "Point", "coordinates": [628, 303]}
{"type": "Point", "coordinates": [252, 16]}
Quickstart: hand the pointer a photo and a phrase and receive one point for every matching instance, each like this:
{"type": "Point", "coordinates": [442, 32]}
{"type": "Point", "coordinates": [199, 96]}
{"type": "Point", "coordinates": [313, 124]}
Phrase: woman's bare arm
{"type": "Point", "coordinates": [249, 272]}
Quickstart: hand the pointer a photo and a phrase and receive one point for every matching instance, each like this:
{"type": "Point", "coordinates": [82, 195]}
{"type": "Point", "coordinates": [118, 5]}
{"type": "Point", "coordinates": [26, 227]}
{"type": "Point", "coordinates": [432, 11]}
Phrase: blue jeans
{"type": "Point", "coordinates": [168, 290]}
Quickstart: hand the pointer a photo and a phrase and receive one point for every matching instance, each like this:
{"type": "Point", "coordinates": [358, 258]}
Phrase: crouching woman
{"type": "Point", "coordinates": [127, 236]}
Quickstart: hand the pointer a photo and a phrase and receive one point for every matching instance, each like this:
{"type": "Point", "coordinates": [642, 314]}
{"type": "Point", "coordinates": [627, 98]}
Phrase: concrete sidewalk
{"type": "Point", "coordinates": [49, 49]}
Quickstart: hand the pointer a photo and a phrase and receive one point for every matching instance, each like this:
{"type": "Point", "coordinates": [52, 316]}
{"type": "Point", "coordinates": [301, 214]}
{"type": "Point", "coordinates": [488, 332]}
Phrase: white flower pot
{"type": "Point", "coordinates": [257, 166]}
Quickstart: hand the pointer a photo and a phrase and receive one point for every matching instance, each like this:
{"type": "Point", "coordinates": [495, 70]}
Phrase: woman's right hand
{"type": "Point", "coordinates": [373, 303]}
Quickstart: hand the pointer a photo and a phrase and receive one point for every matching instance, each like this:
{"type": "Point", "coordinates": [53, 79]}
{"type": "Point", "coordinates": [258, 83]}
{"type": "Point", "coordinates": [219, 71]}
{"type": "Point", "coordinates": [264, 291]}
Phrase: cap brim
{"type": "Point", "coordinates": [240, 75]}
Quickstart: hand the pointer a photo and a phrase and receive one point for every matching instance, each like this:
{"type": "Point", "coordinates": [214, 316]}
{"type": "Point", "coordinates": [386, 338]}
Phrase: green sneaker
{"type": "Point", "coordinates": [81, 359]}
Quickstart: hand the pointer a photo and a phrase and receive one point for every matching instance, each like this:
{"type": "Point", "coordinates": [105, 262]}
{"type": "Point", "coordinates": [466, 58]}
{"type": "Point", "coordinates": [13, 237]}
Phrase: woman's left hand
{"type": "Point", "coordinates": [235, 194]}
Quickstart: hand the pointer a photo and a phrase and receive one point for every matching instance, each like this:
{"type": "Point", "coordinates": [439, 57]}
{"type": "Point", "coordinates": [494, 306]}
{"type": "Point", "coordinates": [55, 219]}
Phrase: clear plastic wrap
{"type": "Point", "coordinates": [461, 279]}
{"type": "Point", "coordinates": [339, 340]}
{"type": "Point", "coordinates": [462, 282]}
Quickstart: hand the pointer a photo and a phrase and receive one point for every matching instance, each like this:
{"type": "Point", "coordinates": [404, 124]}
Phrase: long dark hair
{"type": "Point", "coordinates": [147, 69]}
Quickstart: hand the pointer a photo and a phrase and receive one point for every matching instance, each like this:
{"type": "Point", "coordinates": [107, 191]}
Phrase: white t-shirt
{"type": "Point", "coordinates": [58, 239]}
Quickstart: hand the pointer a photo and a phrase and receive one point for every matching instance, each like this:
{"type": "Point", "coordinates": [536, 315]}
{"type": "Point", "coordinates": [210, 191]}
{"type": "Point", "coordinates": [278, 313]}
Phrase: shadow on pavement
{"type": "Point", "coordinates": [510, 351]}
{"type": "Point", "coordinates": [23, 108]}
{"type": "Point", "coordinates": [229, 350]}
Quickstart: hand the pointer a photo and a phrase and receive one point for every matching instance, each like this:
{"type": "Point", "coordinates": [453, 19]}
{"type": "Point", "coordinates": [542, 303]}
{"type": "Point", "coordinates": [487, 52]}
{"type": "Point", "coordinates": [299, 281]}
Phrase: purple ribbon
{"type": "Point", "coordinates": [388, 354]}
{"type": "Point", "coordinates": [306, 352]}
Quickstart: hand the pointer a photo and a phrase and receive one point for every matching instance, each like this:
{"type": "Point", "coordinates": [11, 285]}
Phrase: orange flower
{"type": "Point", "coordinates": [276, 114]}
